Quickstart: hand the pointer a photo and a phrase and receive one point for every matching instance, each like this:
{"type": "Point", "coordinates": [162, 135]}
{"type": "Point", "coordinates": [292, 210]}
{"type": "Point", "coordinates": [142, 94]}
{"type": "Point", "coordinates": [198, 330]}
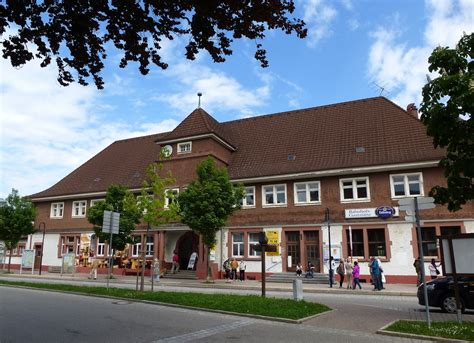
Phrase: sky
{"type": "Point", "coordinates": [354, 50]}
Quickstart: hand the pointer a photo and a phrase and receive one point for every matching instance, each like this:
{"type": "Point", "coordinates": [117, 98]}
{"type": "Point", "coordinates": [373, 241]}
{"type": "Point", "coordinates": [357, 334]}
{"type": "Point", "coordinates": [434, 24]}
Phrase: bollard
{"type": "Point", "coordinates": [298, 289]}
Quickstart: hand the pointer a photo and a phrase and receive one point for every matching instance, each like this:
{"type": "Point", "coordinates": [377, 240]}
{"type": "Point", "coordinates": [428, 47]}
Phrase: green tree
{"type": "Point", "coordinates": [208, 201]}
{"type": "Point", "coordinates": [16, 221]}
{"type": "Point", "coordinates": [152, 203]}
{"type": "Point", "coordinates": [118, 199]}
{"type": "Point", "coordinates": [448, 103]}
{"type": "Point", "coordinates": [75, 34]}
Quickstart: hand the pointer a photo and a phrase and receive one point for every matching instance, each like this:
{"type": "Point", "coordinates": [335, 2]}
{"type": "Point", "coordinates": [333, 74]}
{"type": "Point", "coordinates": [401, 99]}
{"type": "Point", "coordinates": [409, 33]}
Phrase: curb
{"type": "Point", "coordinates": [255, 316]}
{"type": "Point", "coordinates": [384, 332]}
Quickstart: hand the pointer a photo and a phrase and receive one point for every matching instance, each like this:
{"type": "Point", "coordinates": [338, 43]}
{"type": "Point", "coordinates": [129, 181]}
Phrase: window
{"type": "Point", "coordinates": [249, 197]}
{"type": "Point", "coordinates": [429, 241]}
{"type": "Point", "coordinates": [253, 240]}
{"type": "Point", "coordinates": [79, 208]}
{"type": "Point", "coordinates": [57, 210]}
{"type": "Point", "coordinates": [149, 246]}
{"type": "Point", "coordinates": [238, 244]}
{"type": "Point", "coordinates": [307, 193]}
{"type": "Point", "coordinates": [95, 201]}
{"type": "Point", "coordinates": [100, 247]}
{"type": "Point", "coordinates": [18, 250]}
{"type": "Point", "coordinates": [367, 242]}
{"type": "Point", "coordinates": [136, 248]}
{"type": "Point", "coordinates": [185, 147]}
{"type": "Point", "coordinates": [274, 195]}
{"type": "Point", "coordinates": [406, 185]}
{"type": "Point", "coordinates": [170, 196]}
{"type": "Point", "coordinates": [70, 244]}
{"type": "Point", "coordinates": [355, 189]}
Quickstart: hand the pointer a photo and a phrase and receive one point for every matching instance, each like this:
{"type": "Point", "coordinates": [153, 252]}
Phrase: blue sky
{"type": "Point", "coordinates": [353, 50]}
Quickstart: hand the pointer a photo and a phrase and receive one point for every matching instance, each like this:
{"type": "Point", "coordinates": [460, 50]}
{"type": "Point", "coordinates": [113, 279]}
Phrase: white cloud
{"type": "Point", "coordinates": [48, 130]}
{"type": "Point", "coordinates": [318, 16]}
{"type": "Point", "coordinates": [402, 69]}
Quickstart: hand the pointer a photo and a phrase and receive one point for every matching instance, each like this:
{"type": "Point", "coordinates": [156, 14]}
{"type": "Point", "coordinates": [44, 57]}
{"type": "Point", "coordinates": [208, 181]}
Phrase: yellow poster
{"type": "Point", "coordinates": [273, 239]}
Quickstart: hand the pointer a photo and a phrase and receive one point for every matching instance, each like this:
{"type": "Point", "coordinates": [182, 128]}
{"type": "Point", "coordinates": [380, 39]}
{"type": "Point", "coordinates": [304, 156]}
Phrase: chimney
{"type": "Point", "coordinates": [412, 110]}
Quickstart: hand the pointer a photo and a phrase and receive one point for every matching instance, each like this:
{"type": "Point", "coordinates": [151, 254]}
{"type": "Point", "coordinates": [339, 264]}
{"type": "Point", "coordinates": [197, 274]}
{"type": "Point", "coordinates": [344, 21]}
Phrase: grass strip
{"type": "Point", "coordinates": [247, 304]}
{"type": "Point", "coordinates": [451, 329]}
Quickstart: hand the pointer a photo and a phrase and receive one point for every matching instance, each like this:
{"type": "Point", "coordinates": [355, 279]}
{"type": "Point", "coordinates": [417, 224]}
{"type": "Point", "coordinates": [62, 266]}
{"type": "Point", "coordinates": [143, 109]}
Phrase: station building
{"type": "Point", "coordinates": [346, 164]}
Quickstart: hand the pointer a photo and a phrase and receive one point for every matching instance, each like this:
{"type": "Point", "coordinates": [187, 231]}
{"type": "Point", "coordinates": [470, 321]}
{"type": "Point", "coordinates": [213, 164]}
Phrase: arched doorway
{"type": "Point", "coordinates": [185, 246]}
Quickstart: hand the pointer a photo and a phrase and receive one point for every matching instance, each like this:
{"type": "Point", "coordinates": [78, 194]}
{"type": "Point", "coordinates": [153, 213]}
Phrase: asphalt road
{"type": "Point", "coordinates": [40, 316]}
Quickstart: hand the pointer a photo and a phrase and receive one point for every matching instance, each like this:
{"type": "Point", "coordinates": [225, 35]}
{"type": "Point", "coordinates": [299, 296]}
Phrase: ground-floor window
{"type": "Point", "coordinates": [429, 240]}
{"type": "Point", "coordinates": [364, 242]}
{"type": "Point", "coordinates": [238, 244]}
{"type": "Point", "coordinates": [149, 245]}
{"type": "Point", "coordinates": [100, 247]}
{"type": "Point", "coordinates": [18, 250]}
{"type": "Point", "coordinates": [70, 243]}
{"type": "Point", "coordinates": [243, 244]}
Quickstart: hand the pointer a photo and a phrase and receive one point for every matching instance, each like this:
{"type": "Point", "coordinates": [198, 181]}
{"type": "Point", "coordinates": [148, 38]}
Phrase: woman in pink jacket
{"type": "Point", "coordinates": [356, 275]}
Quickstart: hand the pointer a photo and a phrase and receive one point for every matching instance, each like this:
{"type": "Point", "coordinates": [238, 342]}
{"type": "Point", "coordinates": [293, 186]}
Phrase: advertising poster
{"type": "Point", "coordinates": [273, 239]}
{"type": "Point", "coordinates": [68, 265]}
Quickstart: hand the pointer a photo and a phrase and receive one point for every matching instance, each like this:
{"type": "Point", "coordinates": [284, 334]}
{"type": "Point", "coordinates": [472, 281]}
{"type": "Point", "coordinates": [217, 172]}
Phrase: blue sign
{"type": "Point", "coordinates": [384, 212]}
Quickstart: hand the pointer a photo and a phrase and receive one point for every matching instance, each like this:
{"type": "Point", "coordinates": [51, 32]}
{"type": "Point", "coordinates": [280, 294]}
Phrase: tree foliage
{"type": "Point", "coordinates": [16, 220]}
{"type": "Point", "coordinates": [448, 103]}
{"type": "Point", "coordinates": [118, 199]}
{"type": "Point", "coordinates": [76, 33]}
{"type": "Point", "coordinates": [207, 202]}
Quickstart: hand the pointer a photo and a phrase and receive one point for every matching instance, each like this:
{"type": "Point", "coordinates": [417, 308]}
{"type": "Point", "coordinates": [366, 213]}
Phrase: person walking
{"type": "Point", "coordinates": [340, 271]}
{"type": "Point", "coordinates": [175, 266]}
{"type": "Point", "coordinates": [95, 266]}
{"type": "Point", "coordinates": [349, 269]}
{"type": "Point", "coordinates": [433, 267]}
{"type": "Point", "coordinates": [356, 275]}
{"type": "Point", "coordinates": [417, 265]}
{"type": "Point", "coordinates": [242, 268]}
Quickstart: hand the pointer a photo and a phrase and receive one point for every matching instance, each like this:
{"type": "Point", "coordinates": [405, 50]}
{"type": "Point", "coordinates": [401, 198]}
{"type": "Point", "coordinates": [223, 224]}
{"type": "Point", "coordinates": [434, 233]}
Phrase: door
{"type": "Point", "coordinates": [38, 252]}
{"type": "Point", "coordinates": [293, 249]}
{"type": "Point", "coordinates": [311, 249]}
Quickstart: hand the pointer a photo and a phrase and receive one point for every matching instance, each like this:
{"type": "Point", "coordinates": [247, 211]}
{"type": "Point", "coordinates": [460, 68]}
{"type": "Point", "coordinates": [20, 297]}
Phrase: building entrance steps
{"type": "Point", "coordinates": [318, 278]}
{"type": "Point", "coordinates": [181, 275]}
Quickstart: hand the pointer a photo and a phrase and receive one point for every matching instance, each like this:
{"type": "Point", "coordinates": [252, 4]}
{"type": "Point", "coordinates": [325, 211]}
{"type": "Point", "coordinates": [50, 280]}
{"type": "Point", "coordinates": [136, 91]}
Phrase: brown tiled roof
{"type": "Point", "coordinates": [199, 122]}
{"type": "Point", "coordinates": [319, 138]}
{"type": "Point", "coordinates": [122, 162]}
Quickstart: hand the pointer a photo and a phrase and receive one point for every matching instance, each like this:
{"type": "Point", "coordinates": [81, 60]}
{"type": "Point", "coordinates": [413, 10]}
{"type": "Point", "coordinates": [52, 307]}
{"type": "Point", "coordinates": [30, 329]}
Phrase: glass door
{"type": "Point", "coordinates": [311, 253]}
{"type": "Point", "coordinates": [293, 249]}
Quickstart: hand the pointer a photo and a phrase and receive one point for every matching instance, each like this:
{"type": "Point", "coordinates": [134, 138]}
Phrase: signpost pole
{"type": "Point", "coordinates": [110, 250]}
{"type": "Point", "coordinates": [422, 259]}
{"type": "Point", "coordinates": [263, 240]}
{"type": "Point", "coordinates": [330, 253]}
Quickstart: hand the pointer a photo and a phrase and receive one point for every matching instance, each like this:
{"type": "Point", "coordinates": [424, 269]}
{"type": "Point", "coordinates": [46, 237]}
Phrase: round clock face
{"type": "Point", "coordinates": [167, 150]}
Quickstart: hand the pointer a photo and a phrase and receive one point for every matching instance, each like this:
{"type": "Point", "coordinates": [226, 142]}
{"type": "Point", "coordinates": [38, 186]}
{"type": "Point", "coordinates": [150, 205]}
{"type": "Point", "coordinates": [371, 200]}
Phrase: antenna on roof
{"type": "Point", "coordinates": [381, 88]}
{"type": "Point", "coordinates": [199, 100]}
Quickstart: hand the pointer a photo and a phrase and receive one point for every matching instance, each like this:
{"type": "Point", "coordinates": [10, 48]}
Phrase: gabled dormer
{"type": "Point", "coordinates": [199, 134]}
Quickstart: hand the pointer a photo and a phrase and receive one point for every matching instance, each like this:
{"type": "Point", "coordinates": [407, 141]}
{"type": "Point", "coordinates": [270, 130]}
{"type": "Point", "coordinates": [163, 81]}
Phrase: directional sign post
{"type": "Point", "coordinates": [412, 206]}
{"type": "Point", "coordinates": [110, 224]}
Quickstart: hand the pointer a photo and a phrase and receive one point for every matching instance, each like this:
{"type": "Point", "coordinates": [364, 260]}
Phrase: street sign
{"type": "Point", "coordinates": [424, 203]}
{"type": "Point", "coordinates": [111, 221]}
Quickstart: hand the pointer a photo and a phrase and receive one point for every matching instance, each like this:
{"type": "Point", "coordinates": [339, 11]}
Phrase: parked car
{"type": "Point", "coordinates": [441, 293]}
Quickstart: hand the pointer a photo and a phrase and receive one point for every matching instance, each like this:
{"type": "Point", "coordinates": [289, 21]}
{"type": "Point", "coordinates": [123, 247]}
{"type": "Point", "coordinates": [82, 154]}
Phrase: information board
{"type": "Point", "coordinates": [68, 264]}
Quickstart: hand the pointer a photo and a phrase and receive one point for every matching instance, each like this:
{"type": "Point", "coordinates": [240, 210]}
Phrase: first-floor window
{"type": "Point", "coordinates": [356, 189]}
{"type": "Point", "coordinates": [406, 185]}
{"type": "Point", "coordinates": [249, 197]}
{"type": "Point", "coordinates": [149, 246]}
{"type": "Point", "coordinates": [253, 238]}
{"type": "Point", "coordinates": [274, 195]}
{"type": "Point", "coordinates": [307, 193]}
{"type": "Point", "coordinates": [238, 244]}
{"type": "Point", "coordinates": [57, 210]}
{"type": "Point", "coordinates": [79, 208]}
{"type": "Point", "coordinates": [170, 196]}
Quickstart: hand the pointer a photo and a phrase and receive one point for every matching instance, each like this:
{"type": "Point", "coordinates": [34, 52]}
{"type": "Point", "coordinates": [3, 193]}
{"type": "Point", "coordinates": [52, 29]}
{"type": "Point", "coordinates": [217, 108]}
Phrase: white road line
{"type": "Point", "coordinates": [205, 333]}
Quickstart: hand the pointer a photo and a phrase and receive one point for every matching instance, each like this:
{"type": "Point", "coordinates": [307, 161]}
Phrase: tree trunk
{"type": "Point", "coordinates": [10, 259]}
{"type": "Point", "coordinates": [209, 271]}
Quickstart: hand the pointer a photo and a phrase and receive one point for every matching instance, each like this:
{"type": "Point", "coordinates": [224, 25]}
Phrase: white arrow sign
{"type": "Point", "coordinates": [424, 203]}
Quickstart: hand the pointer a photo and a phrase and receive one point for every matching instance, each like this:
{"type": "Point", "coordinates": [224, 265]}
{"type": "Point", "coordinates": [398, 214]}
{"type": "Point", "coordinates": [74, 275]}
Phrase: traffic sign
{"type": "Point", "coordinates": [111, 222]}
{"type": "Point", "coordinates": [424, 203]}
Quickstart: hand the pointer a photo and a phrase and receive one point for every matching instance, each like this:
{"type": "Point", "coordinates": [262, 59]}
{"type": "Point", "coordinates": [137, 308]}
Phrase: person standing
{"type": "Point", "coordinates": [175, 266]}
{"type": "Point", "coordinates": [377, 274]}
{"type": "Point", "coordinates": [349, 268]}
{"type": "Point", "coordinates": [371, 261]}
{"type": "Point", "coordinates": [382, 274]}
{"type": "Point", "coordinates": [332, 271]}
{"type": "Point", "coordinates": [417, 265]}
{"type": "Point", "coordinates": [234, 265]}
{"type": "Point", "coordinates": [356, 275]}
{"type": "Point", "coordinates": [340, 271]}
{"type": "Point", "coordinates": [242, 268]}
{"type": "Point", "coordinates": [299, 269]}
{"type": "Point", "coordinates": [433, 267]}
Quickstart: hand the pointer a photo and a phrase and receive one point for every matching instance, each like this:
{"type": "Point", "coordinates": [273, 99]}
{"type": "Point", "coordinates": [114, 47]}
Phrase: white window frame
{"type": "Point", "coordinates": [307, 193]}
{"type": "Point", "coordinates": [100, 248]}
{"type": "Point", "coordinates": [240, 245]}
{"type": "Point", "coordinates": [57, 206]}
{"type": "Point", "coordinates": [244, 199]}
{"type": "Point", "coordinates": [252, 252]}
{"type": "Point", "coordinates": [175, 192]}
{"type": "Point", "coordinates": [77, 204]}
{"type": "Point", "coordinates": [149, 246]}
{"type": "Point", "coordinates": [136, 247]}
{"type": "Point", "coordinates": [183, 150]}
{"type": "Point", "coordinates": [406, 185]}
{"type": "Point", "coordinates": [93, 201]}
{"type": "Point", "coordinates": [275, 204]}
{"type": "Point", "coordinates": [354, 189]}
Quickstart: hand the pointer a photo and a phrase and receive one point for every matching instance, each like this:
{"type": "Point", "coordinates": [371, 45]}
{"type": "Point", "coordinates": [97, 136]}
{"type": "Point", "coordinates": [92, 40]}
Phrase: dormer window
{"type": "Point", "coordinates": [184, 148]}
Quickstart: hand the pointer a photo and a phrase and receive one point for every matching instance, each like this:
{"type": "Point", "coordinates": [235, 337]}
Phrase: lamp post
{"type": "Point", "coordinates": [263, 240]}
{"type": "Point", "coordinates": [328, 222]}
{"type": "Point", "coordinates": [42, 245]}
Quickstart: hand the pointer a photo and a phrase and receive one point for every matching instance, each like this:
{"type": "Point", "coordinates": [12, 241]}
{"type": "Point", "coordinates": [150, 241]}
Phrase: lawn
{"type": "Point", "coordinates": [248, 304]}
{"type": "Point", "coordinates": [464, 331]}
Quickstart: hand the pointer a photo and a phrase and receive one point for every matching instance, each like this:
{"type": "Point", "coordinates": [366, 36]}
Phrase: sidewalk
{"type": "Point", "coordinates": [390, 289]}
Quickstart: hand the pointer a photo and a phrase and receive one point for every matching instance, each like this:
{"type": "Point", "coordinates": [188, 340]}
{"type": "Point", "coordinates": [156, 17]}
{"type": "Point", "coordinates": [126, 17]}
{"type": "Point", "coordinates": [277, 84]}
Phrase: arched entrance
{"type": "Point", "coordinates": [185, 246]}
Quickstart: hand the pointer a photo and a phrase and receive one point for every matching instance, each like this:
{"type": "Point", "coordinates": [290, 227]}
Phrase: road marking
{"type": "Point", "coordinates": [205, 333]}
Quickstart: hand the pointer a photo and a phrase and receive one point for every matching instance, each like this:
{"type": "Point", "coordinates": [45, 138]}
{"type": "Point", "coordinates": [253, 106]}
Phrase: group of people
{"type": "Point", "coordinates": [350, 272]}
{"type": "Point", "coordinates": [231, 267]}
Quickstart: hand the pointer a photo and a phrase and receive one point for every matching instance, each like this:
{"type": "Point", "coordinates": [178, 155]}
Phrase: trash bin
{"type": "Point", "coordinates": [298, 289]}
